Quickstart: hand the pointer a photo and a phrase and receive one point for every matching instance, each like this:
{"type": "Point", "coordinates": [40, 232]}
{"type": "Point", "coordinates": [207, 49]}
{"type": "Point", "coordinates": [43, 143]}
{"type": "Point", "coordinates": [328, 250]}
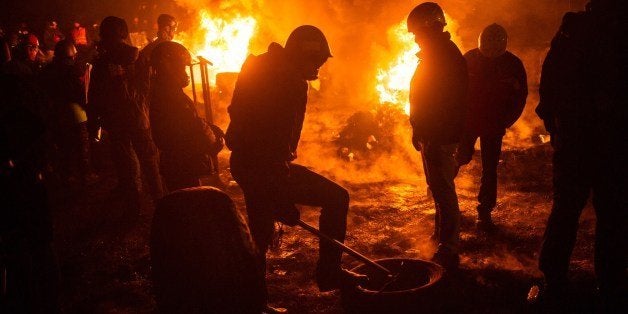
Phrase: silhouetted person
{"type": "Point", "coordinates": [185, 140]}
{"type": "Point", "coordinates": [267, 113]}
{"type": "Point", "coordinates": [167, 28]}
{"type": "Point", "coordinates": [62, 81]}
{"type": "Point", "coordinates": [31, 275]}
{"type": "Point", "coordinates": [52, 35]}
{"type": "Point", "coordinates": [113, 97]}
{"type": "Point", "coordinates": [583, 99]}
{"type": "Point", "coordinates": [24, 58]}
{"type": "Point", "coordinates": [438, 94]}
{"type": "Point", "coordinates": [497, 95]}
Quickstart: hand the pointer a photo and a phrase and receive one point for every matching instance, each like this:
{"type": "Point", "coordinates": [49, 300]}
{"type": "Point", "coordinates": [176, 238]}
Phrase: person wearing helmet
{"type": "Point", "coordinates": [167, 27]}
{"type": "Point", "coordinates": [267, 112]}
{"type": "Point", "coordinates": [497, 94]}
{"type": "Point", "coordinates": [185, 140]}
{"type": "Point", "coordinates": [583, 99]}
{"type": "Point", "coordinates": [25, 61]}
{"type": "Point", "coordinates": [438, 93]}
{"type": "Point", "coordinates": [62, 81]}
{"type": "Point", "coordinates": [113, 100]}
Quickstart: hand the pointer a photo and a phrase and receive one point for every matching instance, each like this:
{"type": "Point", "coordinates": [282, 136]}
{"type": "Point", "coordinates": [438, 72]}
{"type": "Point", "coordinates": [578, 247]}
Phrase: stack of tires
{"type": "Point", "coordinates": [203, 257]}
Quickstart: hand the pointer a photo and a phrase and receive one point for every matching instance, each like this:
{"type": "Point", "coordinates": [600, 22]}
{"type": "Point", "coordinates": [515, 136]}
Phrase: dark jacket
{"type": "Point", "coordinates": [178, 131]}
{"type": "Point", "coordinates": [565, 103]}
{"type": "Point", "coordinates": [583, 92]}
{"type": "Point", "coordinates": [63, 86]}
{"type": "Point", "coordinates": [498, 90]}
{"type": "Point", "coordinates": [267, 109]}
{"type": "Point", "coordinates": [113, 91]}
{"type": "Point", "coordinates": [438, 92]}
{"type": "Point", "coordinates": [142, 69]}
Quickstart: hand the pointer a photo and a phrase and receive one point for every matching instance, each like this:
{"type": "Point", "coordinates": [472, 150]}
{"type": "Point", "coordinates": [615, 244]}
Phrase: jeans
{"type": "Point", "coordinates": [578, 172]}
{"type": "Point", "coordinates": [267, 186]}
{"type": "Point", "coordinates": [491, 148]}
{"type": "Point", "coordinates": [127, 148]}
{"type": "Point", "coordinates": [440, 167]}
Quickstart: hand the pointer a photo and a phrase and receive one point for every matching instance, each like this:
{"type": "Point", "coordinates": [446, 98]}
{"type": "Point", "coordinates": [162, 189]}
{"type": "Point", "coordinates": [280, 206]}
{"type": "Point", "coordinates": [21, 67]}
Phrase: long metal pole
{"type": "Point", "coordinates": [193, 84]}
{"type": "Point", "coordinates": [343, 247]}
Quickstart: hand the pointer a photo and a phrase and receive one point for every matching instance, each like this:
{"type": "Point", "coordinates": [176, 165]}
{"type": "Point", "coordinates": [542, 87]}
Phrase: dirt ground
{"type": "Point", "coordinates": [105, 262]}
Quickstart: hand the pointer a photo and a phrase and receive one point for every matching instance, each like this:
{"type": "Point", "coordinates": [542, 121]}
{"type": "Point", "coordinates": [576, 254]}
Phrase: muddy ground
{"type": "Point", "coordinates": [105, 262]}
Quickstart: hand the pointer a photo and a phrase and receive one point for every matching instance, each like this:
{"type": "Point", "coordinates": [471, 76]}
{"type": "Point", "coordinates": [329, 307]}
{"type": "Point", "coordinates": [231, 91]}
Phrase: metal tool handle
{"type": "Point", "coordinates": [343, 247]}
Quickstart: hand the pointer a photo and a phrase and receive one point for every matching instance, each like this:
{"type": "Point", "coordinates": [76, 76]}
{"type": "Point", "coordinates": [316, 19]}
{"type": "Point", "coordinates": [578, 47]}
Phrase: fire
{"type": "Point", "coordinates": [225, 41]}
{"type": "Point", "coordinates": [393, 81]}
{"type": "Point", "coordinates": [393, 78]}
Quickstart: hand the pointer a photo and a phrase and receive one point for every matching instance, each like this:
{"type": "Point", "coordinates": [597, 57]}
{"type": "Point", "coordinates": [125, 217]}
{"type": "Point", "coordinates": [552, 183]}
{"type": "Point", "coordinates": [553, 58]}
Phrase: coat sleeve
{"type": "Point", "coordinates": [520, 93]}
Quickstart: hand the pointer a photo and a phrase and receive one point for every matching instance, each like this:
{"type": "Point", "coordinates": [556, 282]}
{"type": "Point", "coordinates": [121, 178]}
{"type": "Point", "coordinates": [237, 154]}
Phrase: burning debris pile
{"type": "Point", "coordinates": [367, 135]}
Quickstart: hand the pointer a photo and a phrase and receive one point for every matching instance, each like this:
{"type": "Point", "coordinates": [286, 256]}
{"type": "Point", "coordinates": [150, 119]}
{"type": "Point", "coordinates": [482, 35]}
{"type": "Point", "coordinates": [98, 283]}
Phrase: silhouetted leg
{"type": "Point", "coordinates": [309, 188]}
{"type": "Point", "coordinates": [491, 149]}
{"type": "Point", "coordinates": [148, 157]}
{"type": "Point", "coordinates": [571, 191]}
{"type": "Point", "coordinates": [127, 170]}
{"type": "Point", "coordinates": [260, 206]}
{"type": "Point", "coordinates": [436, 235]}
{"type": "Point", "coordinates": [611, 238]}
{"type": "Point", "coordinates": [440, 165]}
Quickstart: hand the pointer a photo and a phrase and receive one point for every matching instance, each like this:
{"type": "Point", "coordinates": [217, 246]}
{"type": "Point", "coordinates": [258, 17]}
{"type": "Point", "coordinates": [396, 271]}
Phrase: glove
{"type": "Point", "coordinates": [288, 214]}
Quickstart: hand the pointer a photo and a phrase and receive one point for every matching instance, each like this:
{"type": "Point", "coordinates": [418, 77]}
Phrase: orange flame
{"type": "Point", "coordinates": [225, 41]}
{"type": "Point", "coordinates": [393, 81]}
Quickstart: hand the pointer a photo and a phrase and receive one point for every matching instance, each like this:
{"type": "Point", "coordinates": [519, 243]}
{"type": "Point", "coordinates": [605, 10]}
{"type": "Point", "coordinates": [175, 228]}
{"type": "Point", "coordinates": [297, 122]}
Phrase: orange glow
{"type": "Point", "coordinates": [224, 41]}
{"type": "Point", "coordinates": [393, 77]}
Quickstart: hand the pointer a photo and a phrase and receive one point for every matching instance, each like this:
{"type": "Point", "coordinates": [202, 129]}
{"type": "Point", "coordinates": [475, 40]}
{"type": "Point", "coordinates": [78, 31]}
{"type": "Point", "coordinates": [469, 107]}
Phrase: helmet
{"type": "Point", "coordinates": [308, 40]}
{"type": "Point", "coordinates": [64, 50]}
{"type": "Point", "coordinates": [492, 41]}
{"type": "Point", "coordinates": [426, 15]}
{"type": "Point", "coordinates": [113, 28]}
{"type": "Point", "coordinates": [169, 52]}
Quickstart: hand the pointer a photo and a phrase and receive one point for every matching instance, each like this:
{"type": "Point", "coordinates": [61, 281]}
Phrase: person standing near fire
{"type": "Point", "coordinates": [583, 99]}
{"type": "Point", "coordinates": [497, 95]}
{"type": "Point", "coordinates": [167, 27]}
{"type": "Point", "coordinates": [113, 97]}
{"type": "Point", "coordinates": [184, 139]}
{"type": "Point", "coordinates": [438, 92]}
{"type": "Point", "coordinates": [267, 113]}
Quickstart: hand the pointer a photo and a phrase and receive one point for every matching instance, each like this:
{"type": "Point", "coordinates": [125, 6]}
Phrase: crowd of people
{"type": "Point", "coordinates": [58, 97]}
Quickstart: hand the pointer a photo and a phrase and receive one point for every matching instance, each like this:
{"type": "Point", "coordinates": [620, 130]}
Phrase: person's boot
{"type": "Point", "coordinates": [449, 260]}
{"type": "Point", "coordinates": [331, 279]}
{"type": "Point", "coordinates": [485, 222]}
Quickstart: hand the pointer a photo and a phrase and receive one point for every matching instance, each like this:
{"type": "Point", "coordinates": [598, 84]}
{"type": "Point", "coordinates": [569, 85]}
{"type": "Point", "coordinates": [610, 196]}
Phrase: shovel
{"type": "Point", "coordinates": [345, 248]}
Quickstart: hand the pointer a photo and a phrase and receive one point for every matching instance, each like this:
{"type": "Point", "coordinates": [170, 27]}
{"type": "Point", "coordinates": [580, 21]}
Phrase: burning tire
{"type": "Point", "coordinates": [202, 254]}
{"type": "Point", "coordinates": [413, 289]}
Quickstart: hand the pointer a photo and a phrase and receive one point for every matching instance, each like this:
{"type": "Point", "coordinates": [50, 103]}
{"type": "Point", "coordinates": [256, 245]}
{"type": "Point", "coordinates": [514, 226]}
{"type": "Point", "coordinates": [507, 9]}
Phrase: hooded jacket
{"type": "Point", "coordinates": [438, 92]}
{"type": "Point", "coordinates": [497, 92]}
{"type": "Point", "coordinates": [267, 109]}
{"type": "Point", "coordinates": [113, 93]}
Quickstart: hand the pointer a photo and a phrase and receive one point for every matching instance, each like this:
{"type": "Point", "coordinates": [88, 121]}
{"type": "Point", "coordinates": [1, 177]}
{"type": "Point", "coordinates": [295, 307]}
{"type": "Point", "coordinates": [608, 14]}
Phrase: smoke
{"type": "Point", "coordinates": [357, 31]}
